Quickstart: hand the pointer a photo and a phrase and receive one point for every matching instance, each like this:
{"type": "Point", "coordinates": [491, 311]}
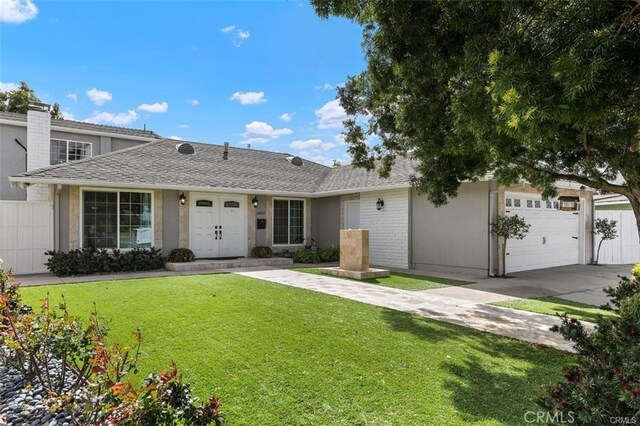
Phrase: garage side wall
{"type": "Point", "coordinates": [388, 228]}
{"type": "Point", "coordinates": [325, 221]}
{"type": "Point", "coordinates": [453, 237]}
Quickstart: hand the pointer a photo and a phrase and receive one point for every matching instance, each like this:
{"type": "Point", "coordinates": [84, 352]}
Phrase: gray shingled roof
{"type": "Point", "coordinates": [348, 177]}
{"type": "Point", "coordinates": [85, 126]}
{"type": "Point", "coordinates": [160, 164]}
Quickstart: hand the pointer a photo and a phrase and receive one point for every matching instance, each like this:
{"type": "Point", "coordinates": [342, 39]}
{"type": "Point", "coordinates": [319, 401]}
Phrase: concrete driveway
{"type": "Point", "coordinates": [578, 283]}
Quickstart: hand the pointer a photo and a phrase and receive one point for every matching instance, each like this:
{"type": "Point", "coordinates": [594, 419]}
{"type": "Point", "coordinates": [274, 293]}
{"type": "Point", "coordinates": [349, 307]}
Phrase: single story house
{"type": "Point", "coordinates": [222, 201]}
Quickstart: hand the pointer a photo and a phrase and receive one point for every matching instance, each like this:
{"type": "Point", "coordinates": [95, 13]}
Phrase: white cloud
{"type": "Point", "coordinates": [261, 132]}
{"type": "Point", "coordinates": [17, 11]}
{"type": "Point", "coordinates": [248, 98]}
{"type": "Point", "coordinates": [184, 126]}
{"type": "Point", "coordinates": [8, 87]}
{"type": "Point", "coordinates": [178, 138]}
{"type": "Point", "coordinates": [157, 107]}
{"type": "Point", "coordinates": [99, 97]}
{"type": "Point", "coordinates": [193, 102]}
{"type": "Point", "coordinates": [73, 97]}
{"type": "Point", "coordinates": [286, 117]}
{"type": "Point", "coordinates": [312, 145]}
{"type": "Point", "coordinates": [331, 115]}
{"type": "Point", "coordinates": [68, 115]}
{"type": "Point", "coordinates": [238, 34]}
{"type": "Point", "coordinates": [118, 119]}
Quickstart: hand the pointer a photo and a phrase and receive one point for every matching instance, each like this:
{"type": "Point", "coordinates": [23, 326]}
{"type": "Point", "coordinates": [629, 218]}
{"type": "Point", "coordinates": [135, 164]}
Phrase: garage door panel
{"type": "Point", "coordinates": [552, 239]}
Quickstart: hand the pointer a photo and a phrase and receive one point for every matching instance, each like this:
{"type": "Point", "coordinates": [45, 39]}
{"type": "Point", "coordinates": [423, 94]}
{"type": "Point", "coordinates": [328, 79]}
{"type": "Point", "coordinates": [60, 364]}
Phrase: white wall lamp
{"type": "Point", "coordinates": [255, 202]}
{"type": "Point", "coordinates": [183, 199]}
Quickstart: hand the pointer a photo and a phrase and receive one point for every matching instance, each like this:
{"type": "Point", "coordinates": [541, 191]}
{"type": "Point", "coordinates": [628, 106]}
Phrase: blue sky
{"type": "Point", "coordinates": [245, 72]}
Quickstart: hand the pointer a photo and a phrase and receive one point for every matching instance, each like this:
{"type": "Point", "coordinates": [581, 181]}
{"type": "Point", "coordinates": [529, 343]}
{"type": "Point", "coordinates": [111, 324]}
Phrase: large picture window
{"type": "Point", "coordinates": [116, 219]}
{"type": "Point", "coordinates": [62, 151]}
{"type": "Point", "coordinates": [288, 221]}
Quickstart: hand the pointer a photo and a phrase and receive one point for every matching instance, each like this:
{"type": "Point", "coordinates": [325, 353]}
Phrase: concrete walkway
{"type": "Point", "coordinates": [520, 325]}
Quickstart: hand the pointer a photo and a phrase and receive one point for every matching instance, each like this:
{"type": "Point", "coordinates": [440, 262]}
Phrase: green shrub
{"type": "Point", "coordinates": [93, 261]}
{"type": "Point", "coordinates": [306, 256]}
{"type": "Point", "coordinates": [604, 384]}
{"type": "Point", "coordinates": [181, 255]}
{"type": "Point", "coordinates": [261, 252]}
{"type": "Point", "coordinates": [329, 254]}
{"type": "Point", "coordinates": [91, 384]}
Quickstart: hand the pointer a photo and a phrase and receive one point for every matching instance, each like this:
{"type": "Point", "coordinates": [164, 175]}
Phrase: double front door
{"type": "Point", "coordinates": [216, 225]}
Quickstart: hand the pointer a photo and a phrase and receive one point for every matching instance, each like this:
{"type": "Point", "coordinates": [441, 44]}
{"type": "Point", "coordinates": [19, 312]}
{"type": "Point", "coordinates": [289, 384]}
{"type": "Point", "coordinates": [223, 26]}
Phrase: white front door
{"type": "Point", "coordinates": [231, 226]}
{"type": "Point", "coordinates": [204, 226]}
{"type": "Point", "coordinates": [217, 225]}
{"type": "Point", "coordinates": [352, 215]}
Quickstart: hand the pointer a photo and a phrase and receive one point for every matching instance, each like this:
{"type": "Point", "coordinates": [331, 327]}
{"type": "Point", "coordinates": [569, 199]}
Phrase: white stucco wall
{"type": "Point", "coordinates": [388, 228]}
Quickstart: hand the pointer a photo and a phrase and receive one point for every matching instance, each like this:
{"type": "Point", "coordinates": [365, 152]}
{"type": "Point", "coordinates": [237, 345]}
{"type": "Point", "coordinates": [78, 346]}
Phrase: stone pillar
{"type": "Point", "coordinates": [354, 249]}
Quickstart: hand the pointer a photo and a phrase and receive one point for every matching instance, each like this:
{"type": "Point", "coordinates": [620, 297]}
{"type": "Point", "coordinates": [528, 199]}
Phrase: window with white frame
{"type": "Point", "coordinates": [63, 151]}
{"type": "Point", "coordinates": [288, 221]}
{"type": "Point", "coordinates": [116, 219]}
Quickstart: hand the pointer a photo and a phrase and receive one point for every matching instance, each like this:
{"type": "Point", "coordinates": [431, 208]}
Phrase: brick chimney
{"type": "Point", "coordinates": [38, 146]}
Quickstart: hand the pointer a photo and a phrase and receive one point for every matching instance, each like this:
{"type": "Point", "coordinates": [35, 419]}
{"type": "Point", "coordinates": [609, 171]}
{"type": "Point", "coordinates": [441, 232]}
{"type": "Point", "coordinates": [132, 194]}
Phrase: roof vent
{"type": "Point", "coordinates": [185, 149]}
{"type": "Point", "coordinates": [296, 161]}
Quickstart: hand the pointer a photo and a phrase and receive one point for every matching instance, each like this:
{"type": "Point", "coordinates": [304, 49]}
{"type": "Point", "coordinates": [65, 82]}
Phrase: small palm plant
{"type": "Point", "coordinates": [606, 230]}
{"type": "Point", "coordinates": [506, 228]}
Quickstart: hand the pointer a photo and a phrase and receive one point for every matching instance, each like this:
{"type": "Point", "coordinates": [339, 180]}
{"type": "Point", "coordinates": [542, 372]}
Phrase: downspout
{"type": "Point", "coordinates": [25, 152]}
{"type": "Point", "coordinates": [56, 218]}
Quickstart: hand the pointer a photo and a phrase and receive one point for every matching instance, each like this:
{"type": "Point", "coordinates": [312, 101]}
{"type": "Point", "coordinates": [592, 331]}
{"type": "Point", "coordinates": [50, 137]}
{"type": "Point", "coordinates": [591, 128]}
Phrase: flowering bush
{"type": "Point", "coordinates": [86, 377]}
{"type": "Point", "coordinates": [605, 382]}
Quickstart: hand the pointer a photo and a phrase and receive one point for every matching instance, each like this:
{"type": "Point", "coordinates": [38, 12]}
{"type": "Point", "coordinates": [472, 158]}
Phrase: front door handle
{"type": "Point", "coordinates": [216, 230]}
{"type": "Point", "coordinates": [220, 231]}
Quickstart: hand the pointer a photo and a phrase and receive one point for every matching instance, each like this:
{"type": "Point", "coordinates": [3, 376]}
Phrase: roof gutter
{"type": "Point", "coordinates": [83, 132]}
{"type": "Point", "coordinates": [23, 182]}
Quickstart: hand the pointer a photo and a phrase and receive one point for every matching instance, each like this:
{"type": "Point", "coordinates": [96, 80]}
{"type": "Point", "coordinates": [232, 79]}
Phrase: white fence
{"type": "Point", "coordinates": [26, 232]}
{"type": "Point", "coordinates": [624, 249]}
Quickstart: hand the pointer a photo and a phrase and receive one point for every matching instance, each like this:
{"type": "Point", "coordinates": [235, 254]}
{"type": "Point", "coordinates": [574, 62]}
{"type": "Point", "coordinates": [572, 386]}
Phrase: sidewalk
{"type": "Point", "coordinates": [527, 326]}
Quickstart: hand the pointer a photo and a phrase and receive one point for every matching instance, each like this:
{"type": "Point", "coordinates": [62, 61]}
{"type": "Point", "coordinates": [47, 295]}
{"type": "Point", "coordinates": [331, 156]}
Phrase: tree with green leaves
{"type": "Point", "coordinates": [506, 228]}
{"type": "Point", "coordinates": [535, 90]}
{"type": "Point", "coordinates": [606, 230]}
{"type": "Point", "coordinates": [18, 100]}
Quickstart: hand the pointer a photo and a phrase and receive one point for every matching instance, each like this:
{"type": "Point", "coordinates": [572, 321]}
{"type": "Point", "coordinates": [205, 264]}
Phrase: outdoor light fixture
{"type": "Point", "coordinates": [255, 202]}
{"type": "Point", "coordinates": [183, 199]}
{"type": "Point", "coordinates": [379, 204]}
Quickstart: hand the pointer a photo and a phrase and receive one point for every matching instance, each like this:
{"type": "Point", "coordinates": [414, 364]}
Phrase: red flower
{"type": "Point", "coordinates": [636, 391]}
{"type": "Point", "coordinates": [564, 402]}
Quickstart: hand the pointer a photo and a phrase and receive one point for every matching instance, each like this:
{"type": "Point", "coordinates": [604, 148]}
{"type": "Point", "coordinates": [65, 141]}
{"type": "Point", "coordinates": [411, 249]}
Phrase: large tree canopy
{"type": "Point", "coordinates": [18, 100]}
{"type": "Point", "coordinates": [535, 90]}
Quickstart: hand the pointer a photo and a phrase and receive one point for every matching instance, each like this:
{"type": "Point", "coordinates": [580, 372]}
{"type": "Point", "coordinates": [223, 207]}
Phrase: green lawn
{"type": "Point", "coordinates": [401, 281]}
{"type": "Point", "coordinates": [280, 355]}
{"type": "Point", "coordinates": [555, 306]}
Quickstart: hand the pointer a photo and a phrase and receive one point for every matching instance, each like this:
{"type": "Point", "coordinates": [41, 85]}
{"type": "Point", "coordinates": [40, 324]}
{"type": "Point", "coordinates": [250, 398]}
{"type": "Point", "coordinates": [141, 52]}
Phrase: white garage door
{"type": "Point", "coordinates": [26, 232]}
{"type": "Point", "coordinates": [553, 239]}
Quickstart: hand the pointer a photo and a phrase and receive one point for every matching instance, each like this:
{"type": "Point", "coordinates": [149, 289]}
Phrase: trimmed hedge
{"type": "Point", "coordinates": [261, 252]}
{"type": "Point", "coordinates": [92, 261]}
{"type": "Point", "coordinates": [329, 254]}
{"type": "Point", "coordinates": [181, 255]}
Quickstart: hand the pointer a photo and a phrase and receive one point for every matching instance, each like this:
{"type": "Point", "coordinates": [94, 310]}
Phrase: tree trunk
{"type": "Point", "coordinates": [634, 199]}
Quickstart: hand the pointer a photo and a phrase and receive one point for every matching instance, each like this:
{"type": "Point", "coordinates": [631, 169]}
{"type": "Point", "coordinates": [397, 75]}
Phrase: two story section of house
{"type": "Point", "coordinates": [33, 141]}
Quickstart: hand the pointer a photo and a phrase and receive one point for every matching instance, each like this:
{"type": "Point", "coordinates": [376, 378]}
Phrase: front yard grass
{"type": "Point", "coordinates": [557, 306]}
{"type": "Point", "coordinates": [400, 280]}
{"type": "Point", "coordinates": [279, 355]}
